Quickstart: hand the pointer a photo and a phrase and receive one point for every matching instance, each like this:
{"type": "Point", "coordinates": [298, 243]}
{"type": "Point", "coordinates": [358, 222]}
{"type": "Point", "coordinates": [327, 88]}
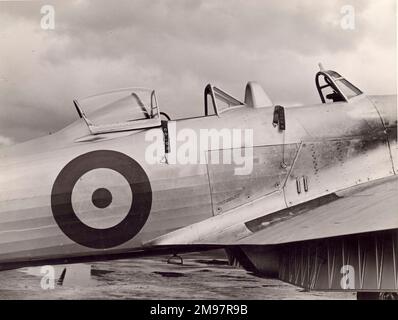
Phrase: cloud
{"type": "Point", "coordinates": [5, 141]}
{"type": "Point", "coordinates": [177, 47]}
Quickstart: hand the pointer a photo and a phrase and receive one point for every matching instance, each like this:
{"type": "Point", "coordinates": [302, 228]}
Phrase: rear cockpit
{"type": "Point", "coordinates": [119, 110]}
{"type": "Point", "coordinates": [137, 108]}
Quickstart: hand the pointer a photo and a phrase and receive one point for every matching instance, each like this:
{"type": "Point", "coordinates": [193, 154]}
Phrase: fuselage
{"type": "Point", "coordinates": [358, 139]}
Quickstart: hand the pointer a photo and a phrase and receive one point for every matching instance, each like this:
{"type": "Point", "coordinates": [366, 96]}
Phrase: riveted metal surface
{"type": "Point", "coordinates": [333, 165]}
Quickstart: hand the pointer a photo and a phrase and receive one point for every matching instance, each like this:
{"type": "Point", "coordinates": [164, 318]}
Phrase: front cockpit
{"type": "Point", "coordinates": [332, 87]}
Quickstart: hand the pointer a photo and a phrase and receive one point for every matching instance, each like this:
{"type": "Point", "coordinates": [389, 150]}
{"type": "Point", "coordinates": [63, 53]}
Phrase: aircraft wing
{"type": "Point", "coordinates": [363, 208]}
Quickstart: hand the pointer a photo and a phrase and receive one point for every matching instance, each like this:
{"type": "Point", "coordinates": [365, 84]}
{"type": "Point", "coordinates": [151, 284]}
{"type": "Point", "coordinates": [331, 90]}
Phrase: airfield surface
{"type": "Point", "coordinates": [200, 277]}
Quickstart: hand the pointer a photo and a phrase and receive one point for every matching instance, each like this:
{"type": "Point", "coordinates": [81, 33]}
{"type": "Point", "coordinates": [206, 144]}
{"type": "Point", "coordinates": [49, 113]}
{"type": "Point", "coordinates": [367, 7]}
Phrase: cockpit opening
{"type": "Point", "coordinates": [220, 100]}
{"type": "Point", "coordinates": [137, 108]}
{"type": "Point", "coordinates": [332, 87]}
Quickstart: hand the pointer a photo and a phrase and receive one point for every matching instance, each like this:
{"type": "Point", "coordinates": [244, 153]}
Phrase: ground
{"type": "Point", "coordinates": [200, 277]}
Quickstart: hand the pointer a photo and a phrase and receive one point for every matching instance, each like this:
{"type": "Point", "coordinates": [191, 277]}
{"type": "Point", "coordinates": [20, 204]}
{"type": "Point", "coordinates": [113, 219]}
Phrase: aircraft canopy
{"type": "Point", "coordinates": [332, 86]}
{"type": "Point", "coordinates": [119, 110]}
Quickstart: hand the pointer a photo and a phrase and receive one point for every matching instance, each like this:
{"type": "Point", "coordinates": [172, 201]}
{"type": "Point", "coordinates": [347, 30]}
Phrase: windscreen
{"type": "Point", "coordinates": [348, 89]}
{"type": "Point", "coordinates": [120, 106]}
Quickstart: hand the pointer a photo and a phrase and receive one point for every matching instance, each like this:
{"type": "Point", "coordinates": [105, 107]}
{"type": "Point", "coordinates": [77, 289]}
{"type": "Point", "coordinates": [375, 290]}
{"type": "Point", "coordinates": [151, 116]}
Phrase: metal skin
{"type": "Point", "coordinates": [326, 148]}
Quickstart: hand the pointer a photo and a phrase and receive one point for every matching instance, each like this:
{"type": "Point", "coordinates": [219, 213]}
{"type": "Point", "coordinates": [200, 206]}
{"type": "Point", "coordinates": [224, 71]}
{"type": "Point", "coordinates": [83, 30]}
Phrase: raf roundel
{"type": "Point", "coordinates": [101, 199]}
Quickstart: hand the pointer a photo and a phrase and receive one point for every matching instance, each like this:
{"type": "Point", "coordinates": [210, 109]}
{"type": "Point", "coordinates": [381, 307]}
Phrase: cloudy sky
{"type": "Point", "coordinates": [177, 47]}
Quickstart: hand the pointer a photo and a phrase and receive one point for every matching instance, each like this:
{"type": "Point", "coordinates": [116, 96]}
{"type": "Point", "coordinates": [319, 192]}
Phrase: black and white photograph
{"type": "Point", "coordinates": [198, 150]}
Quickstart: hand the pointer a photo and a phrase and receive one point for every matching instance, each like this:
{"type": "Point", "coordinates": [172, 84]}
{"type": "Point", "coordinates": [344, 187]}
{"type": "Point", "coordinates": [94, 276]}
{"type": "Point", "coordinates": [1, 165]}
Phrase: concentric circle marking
{"type": "Point", "coordinates": [92, 163]}
{"type": "Point", "coordinates": [101, 198]}
{"type": "Point", "coordinates": [110, 216]}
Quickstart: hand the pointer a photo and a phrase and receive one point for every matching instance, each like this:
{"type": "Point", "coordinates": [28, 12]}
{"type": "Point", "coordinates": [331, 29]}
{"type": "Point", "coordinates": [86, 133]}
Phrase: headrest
{"type": "Point", "coordinates": [256, 97]}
